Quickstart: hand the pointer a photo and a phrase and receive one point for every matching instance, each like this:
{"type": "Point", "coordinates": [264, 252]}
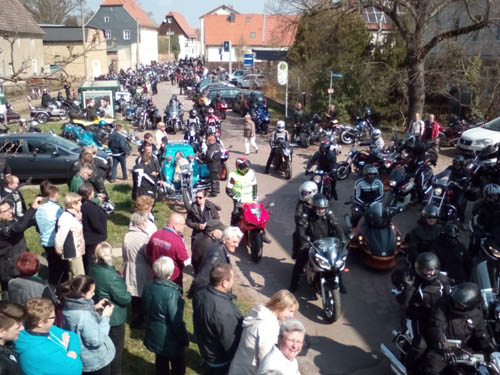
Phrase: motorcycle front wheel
{"type": "Point", "coordinates": [332, 307]}
{"type": "Point", "coordinates": [187, 198]}
{"type": "Point", "coordinates": [305, 140]}
{"type": "Point", "coordinates": [343, 170]}
{"type": "Point", "coordinates": [63, 116]}
{"type": "Point", "coordinates": [346, 137]}
{"type": "Point", "coordinates": [288, 170]}
{"type": "Point", "coordinates": [42, 117]}
{"type": "Point", "coordinates": [256, 245]}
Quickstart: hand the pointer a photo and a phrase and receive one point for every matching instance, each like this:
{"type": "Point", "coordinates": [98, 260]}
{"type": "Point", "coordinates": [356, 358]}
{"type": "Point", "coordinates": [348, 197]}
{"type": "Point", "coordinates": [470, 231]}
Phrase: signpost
{"type": "Point", "coordinates": [330, 90]}
{"type": "Point", "coordinates": [227, 48]}
{"type": "Point", "coordinates": [248, 60]}
{"type": "Point", "coordinates": [283, 80]}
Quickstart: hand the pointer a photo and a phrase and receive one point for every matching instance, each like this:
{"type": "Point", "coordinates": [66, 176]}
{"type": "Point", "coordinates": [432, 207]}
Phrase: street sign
{"type": "Point", "coordinates": [282, 73]}
{"type": "Point", "coordinates": [226, 46]}
{"type": "Point", "coordinates": [248, 60]}
{"type": "Point", "coordinates": [330, 91]}
{"type": "Point", "coordinates": [337, 75]}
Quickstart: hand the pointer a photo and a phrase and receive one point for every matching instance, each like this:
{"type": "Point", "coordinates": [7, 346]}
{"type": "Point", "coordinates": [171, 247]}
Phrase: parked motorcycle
{"type": "Point", "coordinates": [327, 259]}
{"type": "Point", "coordinates": [323, 181]}
{"type": "Point", "coordinates": [308, 132]}
{"type": "Point", "coordinates": [407, 188]}
{"type": "Point", "coordinates": [42, 115]}
{"type": "Point", "coordinates": [450, 136]}
{"type": "Point", "coordinates": [10, 114]}
{"type": "Point", "coordinates": [283, 158]}
{"type": "Point", "coordinates": [252, 223]}
{"type": "Point", "coordinates": [443, 196]}
{"type": "Point", "coordinates": [376, 236]}
{"type": "Point", "coordinates": [363, 127]}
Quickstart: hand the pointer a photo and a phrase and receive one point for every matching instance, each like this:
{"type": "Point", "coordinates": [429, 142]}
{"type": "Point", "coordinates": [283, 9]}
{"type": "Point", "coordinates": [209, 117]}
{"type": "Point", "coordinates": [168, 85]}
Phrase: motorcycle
{"type": "Point", "coordinates": [252, 223]}
{"type": "Point", "coordinates": [483, 169]}
{"type": "Point", "coordinates": [172, 118]}
{"type": "Point", "coordinates": [261, 118]}
{"type": "Point", "coordinates": [327, 259]}
{"type": "Point", "coordinates": [82, 136]}
{"type": "Point", "coordinates": [224, 156]}
{"type": "Point", "coordinates": [191, 135]}
{"type": "Point", "coordinates": [324, 182]}
{"type": "Point", "coordinates": [407, 188]}
{"type": "Point", "coordinates": [308, 132]}
{"type": "Point", "coordinates": [443, 196]}
{"type": "Point", "coordinates": [363, 127]}
{"type": "Point", "coordinates": [376, 236]}
{"type": "Point", "coordinates": [222, 108]}
{"type": "Point", "coordinates": [283, 158]}
{"type": "Point", "coordinates": [450, 136]}
{"type": "Point", "coordinates": [10, 114]}
{"type": "Point", "coordinates": [42, 115]}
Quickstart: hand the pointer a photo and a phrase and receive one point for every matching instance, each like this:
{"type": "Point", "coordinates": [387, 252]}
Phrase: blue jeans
{"type": "Point", "coordinates": [122, 160]}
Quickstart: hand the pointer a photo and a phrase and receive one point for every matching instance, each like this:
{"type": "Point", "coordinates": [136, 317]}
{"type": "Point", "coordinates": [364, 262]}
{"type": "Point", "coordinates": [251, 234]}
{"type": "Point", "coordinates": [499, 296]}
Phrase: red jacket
{"type": "Point", "coordinates": [436, 129]}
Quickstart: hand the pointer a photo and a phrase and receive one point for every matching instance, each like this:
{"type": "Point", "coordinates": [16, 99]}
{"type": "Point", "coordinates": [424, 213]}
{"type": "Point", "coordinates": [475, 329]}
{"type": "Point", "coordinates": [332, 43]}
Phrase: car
{"type": "Point", "coordinates": [251, 81]}
{"type": "Point", "coordinates": [233, 78]}
{"type": "Point", "coordinates": [228, 93]}
{"type": "Point", "coordinates": [240, 103]}
{"type": "Point", "coordinates": [41, 155]}
{"type": "Point", "coordinates": [476, 139]}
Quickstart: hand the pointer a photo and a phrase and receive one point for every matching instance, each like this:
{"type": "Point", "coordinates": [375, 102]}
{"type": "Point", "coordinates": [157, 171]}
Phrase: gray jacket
{"type": "Point", "coordinates": [93, 330]}
{"type": "Point", "coordinates": [23, 288]}
{"type": "Point", "coordinates": [136, 266]}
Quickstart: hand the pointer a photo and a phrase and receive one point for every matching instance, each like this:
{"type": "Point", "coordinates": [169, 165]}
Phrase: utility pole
{"type": "Point", "coordinates": [83, 40]}
{"type": "Point", "coordinates": [138, 31]}
{"type": "Point", "coordinates": [230, 60]}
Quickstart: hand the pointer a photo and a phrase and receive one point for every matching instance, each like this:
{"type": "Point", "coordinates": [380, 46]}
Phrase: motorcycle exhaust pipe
{"type": "Point", "coordinates": [397, 367]}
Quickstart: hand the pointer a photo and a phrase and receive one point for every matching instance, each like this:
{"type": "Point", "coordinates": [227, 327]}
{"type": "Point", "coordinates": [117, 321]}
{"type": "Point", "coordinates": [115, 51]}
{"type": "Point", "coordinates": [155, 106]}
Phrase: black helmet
{"type": "Point", "coordinates": [316, 118]}
{"type": "Point", "coordinates": [465, 296]}
{"type": "Point", "coordinates": [491, 193]}
{"type": "Point", "coordinates": [458, 161]}
{"type": "Point", "coordinates": [450, 231]}
{"type": "Point", "coordinates": [320, 204]}
{"type": "Point", "coordinates": [193, 113]}
{"type": "Point", "coordinates": [242, 165]}
{"type": "Point", "coordinates": [324, 147]}
{"type": "Point", "coordinates": [427, 266]}
{"type": "Point", "coordinates": [370, 172]}
{"type": "Point", "coordinates": [252, 94]}
{"type": "Point", "coordinates": [430, 211]}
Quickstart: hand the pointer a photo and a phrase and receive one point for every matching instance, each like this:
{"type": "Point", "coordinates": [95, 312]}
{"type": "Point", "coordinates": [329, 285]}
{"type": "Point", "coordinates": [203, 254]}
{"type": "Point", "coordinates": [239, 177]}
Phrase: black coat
{"type": "Point", "coordinates": [94, 221]}
{"type": "Point", "coordinates": [217, 325]}
{"type": "Point", "coordinates": [12, 243]}
{"type": "Point", "coordinates": [8, 366]}
{"type": "Point", "coordinates": [421, 238]}
{"type": "Point", "coordinates": [213, 156]}
{"type": "Point", "coordinates": [453, 257]}
{"type": "Point", "coordinates": [195, 216]}
{"type": "Point", "coordinates": [216, 254]}
{"type": "Point", "coordinates": [118, 144]}
{"type": "Point", "coordinates": [201, 243]}
{"type": "Point", "coordinates": [144, 182]}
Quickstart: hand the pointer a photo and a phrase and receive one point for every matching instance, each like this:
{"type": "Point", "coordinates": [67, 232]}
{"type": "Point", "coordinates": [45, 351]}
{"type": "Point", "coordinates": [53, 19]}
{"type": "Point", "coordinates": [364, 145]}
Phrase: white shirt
{"type": "Point", "coordinates": [417, 127]}
{"type": "Point", "coordinates": [276, 363]}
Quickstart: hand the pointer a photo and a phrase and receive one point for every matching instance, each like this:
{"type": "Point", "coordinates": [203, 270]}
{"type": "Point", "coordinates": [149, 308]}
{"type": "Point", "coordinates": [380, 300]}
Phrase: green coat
{"type": "Point", "coordinates": [76, 182]}
{"type": "Point", "coordinates": [109, 284]}
{"type": "Point", "coordinates": [164, 309]}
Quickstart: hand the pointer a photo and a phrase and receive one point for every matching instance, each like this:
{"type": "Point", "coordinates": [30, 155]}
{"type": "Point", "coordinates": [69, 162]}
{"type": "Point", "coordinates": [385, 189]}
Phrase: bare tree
{"type": "Point", "coordinates": [422, 24]}
{"type": "Point", "coordinates": [51, 11]}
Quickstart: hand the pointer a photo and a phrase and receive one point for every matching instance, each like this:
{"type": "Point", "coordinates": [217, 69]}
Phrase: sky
{"type": "Point", "coordinates": [190, 9]}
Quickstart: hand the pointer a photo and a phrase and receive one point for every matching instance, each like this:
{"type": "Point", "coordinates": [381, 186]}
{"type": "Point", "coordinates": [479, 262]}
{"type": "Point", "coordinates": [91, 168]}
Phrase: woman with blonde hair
{"type": "Point", "coordinates": [69, 241]}
{"type": "Point", "coordinates": [145, 203]}
{"type": "Point", "coordinates": [260, 332]}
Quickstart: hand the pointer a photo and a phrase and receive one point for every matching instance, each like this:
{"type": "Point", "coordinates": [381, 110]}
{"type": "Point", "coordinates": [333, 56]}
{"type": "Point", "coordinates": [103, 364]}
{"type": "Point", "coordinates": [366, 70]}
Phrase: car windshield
{"type": "Point", "coordinates": [64, 143]}
{"type": "Point", "coordinates": [493, 125]}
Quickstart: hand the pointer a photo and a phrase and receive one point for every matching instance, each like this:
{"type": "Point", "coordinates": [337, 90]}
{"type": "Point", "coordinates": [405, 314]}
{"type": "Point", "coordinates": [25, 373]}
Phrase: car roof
{"type": "Point", "coordinates": [247, 92]}
{"type": "Point", "coordinates": [25, 135]}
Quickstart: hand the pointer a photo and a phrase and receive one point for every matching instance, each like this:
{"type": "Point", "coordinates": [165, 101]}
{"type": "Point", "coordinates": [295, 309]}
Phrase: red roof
{"type": "Point", "coordinates": [251, 30]}
{"type": "Point", "coordinates": [181, 21]}
{"type": "Point", "coordinates": [134, 10]}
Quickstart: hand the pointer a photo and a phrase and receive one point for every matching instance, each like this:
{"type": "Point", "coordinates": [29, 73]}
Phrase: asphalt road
{"type": "Point", "coordinates": [370, 313]}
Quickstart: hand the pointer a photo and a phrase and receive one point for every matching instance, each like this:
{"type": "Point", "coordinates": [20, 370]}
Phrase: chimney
{"type": "Point", "coordinates": [232, 17]}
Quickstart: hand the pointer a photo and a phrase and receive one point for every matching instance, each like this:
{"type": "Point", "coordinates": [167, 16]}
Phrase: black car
{"type": "Point", "coordinates": [40, 155]}
{"type": "Point", "coordinates": [240, 103]}
{"type": "Point", "coordinates": [228, 93]}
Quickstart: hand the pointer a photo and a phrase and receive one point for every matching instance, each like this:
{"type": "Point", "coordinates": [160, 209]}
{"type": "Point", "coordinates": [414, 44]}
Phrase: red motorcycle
{"type": "Point", "coordinates": [222, 108]}
{"type": "Point", "coordinates": [252, 223]}
{"type": "Point", "coordinates": [449, 137]}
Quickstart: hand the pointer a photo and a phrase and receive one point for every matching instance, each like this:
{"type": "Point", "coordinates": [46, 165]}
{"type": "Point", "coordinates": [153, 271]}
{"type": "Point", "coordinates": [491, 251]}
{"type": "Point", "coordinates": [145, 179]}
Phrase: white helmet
{"type": "Point", "coordinates": [308, 190]}
{"type": "Point", "coordinates": [280, 125]}
{"type": "Point", "coordinates": [22, 120]}
{"type": "Point", "coordinates": [376, 133]}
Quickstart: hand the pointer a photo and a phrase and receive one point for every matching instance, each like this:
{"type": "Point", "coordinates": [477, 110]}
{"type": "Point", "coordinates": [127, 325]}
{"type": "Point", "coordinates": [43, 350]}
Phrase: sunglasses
{"type": "Point", "coordinates": [199, 197]}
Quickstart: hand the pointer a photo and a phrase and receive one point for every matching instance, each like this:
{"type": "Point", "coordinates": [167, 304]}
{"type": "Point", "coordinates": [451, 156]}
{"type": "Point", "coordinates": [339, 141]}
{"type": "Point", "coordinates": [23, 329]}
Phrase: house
{"type": "Point", "coordinates": [132, 37]}
{"type": "Point", "coordinates": [21, 51]}
{"type": "Point", "coordinates": [245, 32]}
{"type": "Point", "coordinates": [63, 49]}
{"type": "Point", "coordinates": [176, 24]}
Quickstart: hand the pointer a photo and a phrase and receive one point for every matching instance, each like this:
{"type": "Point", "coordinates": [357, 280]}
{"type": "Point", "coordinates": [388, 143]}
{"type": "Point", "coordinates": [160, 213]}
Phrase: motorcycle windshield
{"type": "Point", "coordinates": [397, 174]}
{"type": "Point", "coordinates": [173, 110]}
{"type": "Point", "coordinates": [443, 177]}
{"type": "Point", "coordinates": [381, 241]}
{"type": "Point", "coordinates": [330, 248]}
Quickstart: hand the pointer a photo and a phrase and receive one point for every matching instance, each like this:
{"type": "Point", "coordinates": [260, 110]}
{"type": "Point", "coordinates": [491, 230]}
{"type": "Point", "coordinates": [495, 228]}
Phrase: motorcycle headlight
{"type": "Point", "coordinates": [322, 262]}
{"type": "Point", "coordinates": [438, 191]}
{"type": "Point", "coordinates": [360, 239]}
{"type": "Point", "coordinates": [317, 179]}
{"type": "Point", "coordinates": [340, 263]}
{"type": "Point", "coordinates": [494, 251]}
{"type": "Point", "coordinates": [392, 183]}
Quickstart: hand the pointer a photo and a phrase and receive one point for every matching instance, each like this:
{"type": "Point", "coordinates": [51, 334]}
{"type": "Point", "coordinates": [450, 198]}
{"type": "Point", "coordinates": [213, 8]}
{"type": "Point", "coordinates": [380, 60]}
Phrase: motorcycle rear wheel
{"type": "Point", "coordinates": [346, 137]}
{"type": "Point", "coordinates": [305, 140]}
{"type": "Point", "coordinates": [42, 117]}
{"type": "Point", "coordinates": [187, 198]}
{"type": "Point", "coordinates": [64, 116]}
{"type": "Point", "coordinates": [332, 307]}
{"type": "Point", "coordinates": [343, 171]}
{"type": "Point", "coordinates": [256, 245]}
{"type": "Point", "coordinates": [288, 170]}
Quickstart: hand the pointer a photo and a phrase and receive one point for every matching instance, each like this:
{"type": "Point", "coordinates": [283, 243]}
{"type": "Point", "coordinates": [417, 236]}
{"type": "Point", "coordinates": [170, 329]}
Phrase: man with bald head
{"type": "Point", "coordinates": [168, 242]}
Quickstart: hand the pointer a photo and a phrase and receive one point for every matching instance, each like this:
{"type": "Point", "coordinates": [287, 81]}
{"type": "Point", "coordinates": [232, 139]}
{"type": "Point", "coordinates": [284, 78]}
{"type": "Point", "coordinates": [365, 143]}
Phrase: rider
{"type": "Point", "coordinates": [456, 317]}
{"type": "Point", "coordinates": [419, 291]}
{"type": "Point", "coordinates": [304, 206]}
{"type": "Point", "coordinates": [460, 175]}
{"type": "Point", "coordinates": [486, 216]}
{"type": "Point", "coordinates": [367, 190]}
{"type": "Point", "coordinates": [453, 255]}
{"type": "Point", "coordinates": [280, 134]}
{"type": "Point", "coordinates": [298, 120]}
{"type": "Point", "coordinates": [314, 225]}
{"type": "Point", "coordinates": [325, 160]}
{"type": "Point", "coordinates": [425, 233]}
{"type": "Point", "coordinates": [46, 98]}
{"type": "Point", "coordinates": [377, 145]}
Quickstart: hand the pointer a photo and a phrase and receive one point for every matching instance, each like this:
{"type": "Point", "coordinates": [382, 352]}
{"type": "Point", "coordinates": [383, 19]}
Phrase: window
{"type": "Point", "coordinates": [42, 148]}
{"type": "Point", "coordinates": [11, 146]}
{"type": "Point", "coordinates": [253, 35]}
{"type": "Point", "coordinates": [106, 19]}
{"type": "Point", "coordinates": [248, 19]}
{"type": "Point", "coordinates": [108, 34]}
{"type": "Point", "coordinates": [169, 20]}
{"type": "Point", "coordinates": [126, 34]}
